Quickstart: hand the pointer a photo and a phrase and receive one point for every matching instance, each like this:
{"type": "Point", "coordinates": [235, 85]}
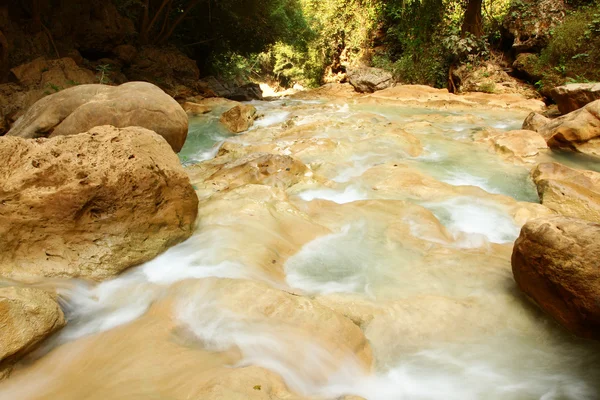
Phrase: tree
{"type": "Point", "coordinates": [473, 22]}
{"type": "Point", "coordinates": [167, 14]}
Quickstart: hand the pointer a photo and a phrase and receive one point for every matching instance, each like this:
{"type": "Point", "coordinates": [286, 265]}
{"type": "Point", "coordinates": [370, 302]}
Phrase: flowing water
{"type": "Point", "coordinates": [382, 272]}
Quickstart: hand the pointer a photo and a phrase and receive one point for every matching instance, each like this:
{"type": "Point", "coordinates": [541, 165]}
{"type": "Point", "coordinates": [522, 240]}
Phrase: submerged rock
{"type": "Point", "coordinates": [83, 107]}
{"type": "Point", "coordinates": [575, 95]}
{"type": "Point", "coordinates": [571, 192]}
{"type": "Point", "coordinates": [369, 80]}
{"type": "Point", "coordinates": [90, 205]}
{"type": "Point", "coordinates": [27, 316]}
{"type": "Point", "coordinates": [239, 118]}
{"type": "Point", "coordinates": [555, 263]}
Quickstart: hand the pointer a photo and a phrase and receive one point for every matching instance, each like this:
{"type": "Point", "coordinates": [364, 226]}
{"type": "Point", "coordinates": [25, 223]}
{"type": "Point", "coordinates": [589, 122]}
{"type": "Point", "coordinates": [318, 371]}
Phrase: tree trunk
{"type": "Point", "coordinates": [144, 21]}
{"type": "Point", "coordinates": [472, 22]}
{"type": "Point", "coordinates": [3, 58]}
{"type": "Point", "coordinates": [189, 7]}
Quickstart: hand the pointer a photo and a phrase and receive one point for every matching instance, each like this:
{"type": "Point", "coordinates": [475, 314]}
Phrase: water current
{"type": "Point", "coordinates": [383, 272]}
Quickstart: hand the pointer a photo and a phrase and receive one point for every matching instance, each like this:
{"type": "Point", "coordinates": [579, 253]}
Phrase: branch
{"type": "Point", "coordinates": [191, 5]}
{"type": "Point", "coordinates": [157, 14]}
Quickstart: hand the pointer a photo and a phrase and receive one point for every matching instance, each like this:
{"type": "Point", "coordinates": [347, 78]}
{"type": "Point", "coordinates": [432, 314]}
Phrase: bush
{"type": "Point", "coordinates": [573, 53]}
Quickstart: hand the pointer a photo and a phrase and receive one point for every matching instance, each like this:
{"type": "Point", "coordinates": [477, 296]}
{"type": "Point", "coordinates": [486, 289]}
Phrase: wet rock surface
{"type": "Point", "coordinates": [27, 317]}
{"type": "Point", "coordinates": [555, 263]}
{"type": "Point", "coordinates": [239, 118]}
{"type": "Point", "coordinates": [570, 192]}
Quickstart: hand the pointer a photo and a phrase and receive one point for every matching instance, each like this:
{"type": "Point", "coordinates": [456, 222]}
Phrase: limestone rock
{"type": "Point", "coordinates": [525, 67]}
{"type": "Point", "coordinates": [260, 168]}
{"type": "Point", "coordinates": [556, 263]}
{"type": "Point", "coordinates": [27, 316]}
{"type": "Point", "coordinates": [535, 121]}
{"type": "Point", "coordinates": [579, 130]}
{"type": "Point", "coordinates": [520, 143]}
{"type": "Point", "coordinates": [575, 95]}
{"type": "Point", "coordinates": [90, 205]}
{"type": "Point", "coordinates": [83, 107]}
{"type": "Point", "coordinates": [52, 75]}
{"type": "Point", "coordinates": [369, 80]}
{"type": "Point", "coordinates": [490, 78]}
{"type": "Point", "coordinates": [196, 109]}
{"type": "Point", "coordinates": [568, 191]}
{"type": "Point", "coordinates": [529, 23]}
{"type": "Point", "coordinates": [239, 118]}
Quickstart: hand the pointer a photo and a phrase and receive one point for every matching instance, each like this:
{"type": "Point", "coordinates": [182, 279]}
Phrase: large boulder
{"type": "Point", "coordinates": [90, 205]}
{"type": "Point", "coordinates": [575, 95]}
{"type": "Point", "coordinates": [529, 23]}
{"type": "Point", "coordinates": [571, 192]}
{"type": "Point", "coordinates": [83, 107]}
{"type": "Point", "coordinates": [369, 80]}
{"type": "Point", "coordinates": [239, 118]}
{"type": "Point", "coordinates": [556, 263]}
{"type": "Point", "coordinates": [27, 316]}
{"type": "Point", "coordinates": [579, 130]}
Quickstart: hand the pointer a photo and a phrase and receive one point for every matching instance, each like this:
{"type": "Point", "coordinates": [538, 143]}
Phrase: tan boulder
{"type": "Point", "coordinates": [575, 95]}
{"type": "Point", "coordinates": [90, 205]}
{"type": "Point", "coordinates": [27, 316]}
{"type": "Point", "coordinates": [369, 80]}
{"type": "Point", "coordinates": [196, 109]}
{"type": "Point", "coordinates": [239, 118]}
{"type": "Point", "coordinates": [555, 263]}
{"type": "Point", "coordinates": [535, 121]}
{"type": "Point", "coordinates": [578, 130]}
{"type": "Point", "coordinates": [521, 144]}
{"type": "Point", "coordinates": [83, 107]}
{"type": "Point", "coordinates": [571, 192]}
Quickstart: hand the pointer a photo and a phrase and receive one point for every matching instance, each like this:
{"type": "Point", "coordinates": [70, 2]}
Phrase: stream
{"type": "Point", "coordinates": [380, 270]}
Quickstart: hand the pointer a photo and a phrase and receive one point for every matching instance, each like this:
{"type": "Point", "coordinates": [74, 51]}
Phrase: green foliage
{"type": "Point", "coordinates": [103, 71]}
{"type": "Point", "coordinates": [573, 53]}
{"type": "Point", "coordinates": [54, 87]}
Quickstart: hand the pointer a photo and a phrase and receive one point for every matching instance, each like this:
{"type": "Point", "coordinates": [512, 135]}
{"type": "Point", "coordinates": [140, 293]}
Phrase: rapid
{"type": "Point", "coordinates": [345, 248]}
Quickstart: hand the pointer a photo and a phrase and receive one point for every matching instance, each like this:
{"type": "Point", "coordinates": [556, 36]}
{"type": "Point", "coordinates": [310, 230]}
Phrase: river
{"type": "Point", "coordinates": [374, 263]}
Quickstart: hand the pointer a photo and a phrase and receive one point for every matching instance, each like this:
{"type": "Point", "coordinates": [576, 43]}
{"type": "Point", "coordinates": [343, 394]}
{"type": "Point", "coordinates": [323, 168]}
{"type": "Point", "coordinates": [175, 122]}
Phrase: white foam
{"type": "Point", "coordinates": [461, 178]}
{"type": "Point", "coordinates": [348, 195]}
{"type": "Point", "coordinates": [302, 362]}
{"type": "Point", "coordinates": [477, 219]}
{"type": "Point", "coordinates": [271, 119]}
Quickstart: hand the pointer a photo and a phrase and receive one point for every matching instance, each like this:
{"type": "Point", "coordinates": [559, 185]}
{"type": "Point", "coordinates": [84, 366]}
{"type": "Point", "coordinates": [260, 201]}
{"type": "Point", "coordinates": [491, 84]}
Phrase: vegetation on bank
{"type": "Point", "coordinates": [314, 41]}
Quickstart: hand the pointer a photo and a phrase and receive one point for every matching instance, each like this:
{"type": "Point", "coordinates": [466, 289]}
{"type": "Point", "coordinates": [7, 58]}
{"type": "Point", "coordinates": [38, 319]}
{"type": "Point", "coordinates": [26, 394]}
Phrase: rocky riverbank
{"type": "Point", "coordinates": [338, 244]}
